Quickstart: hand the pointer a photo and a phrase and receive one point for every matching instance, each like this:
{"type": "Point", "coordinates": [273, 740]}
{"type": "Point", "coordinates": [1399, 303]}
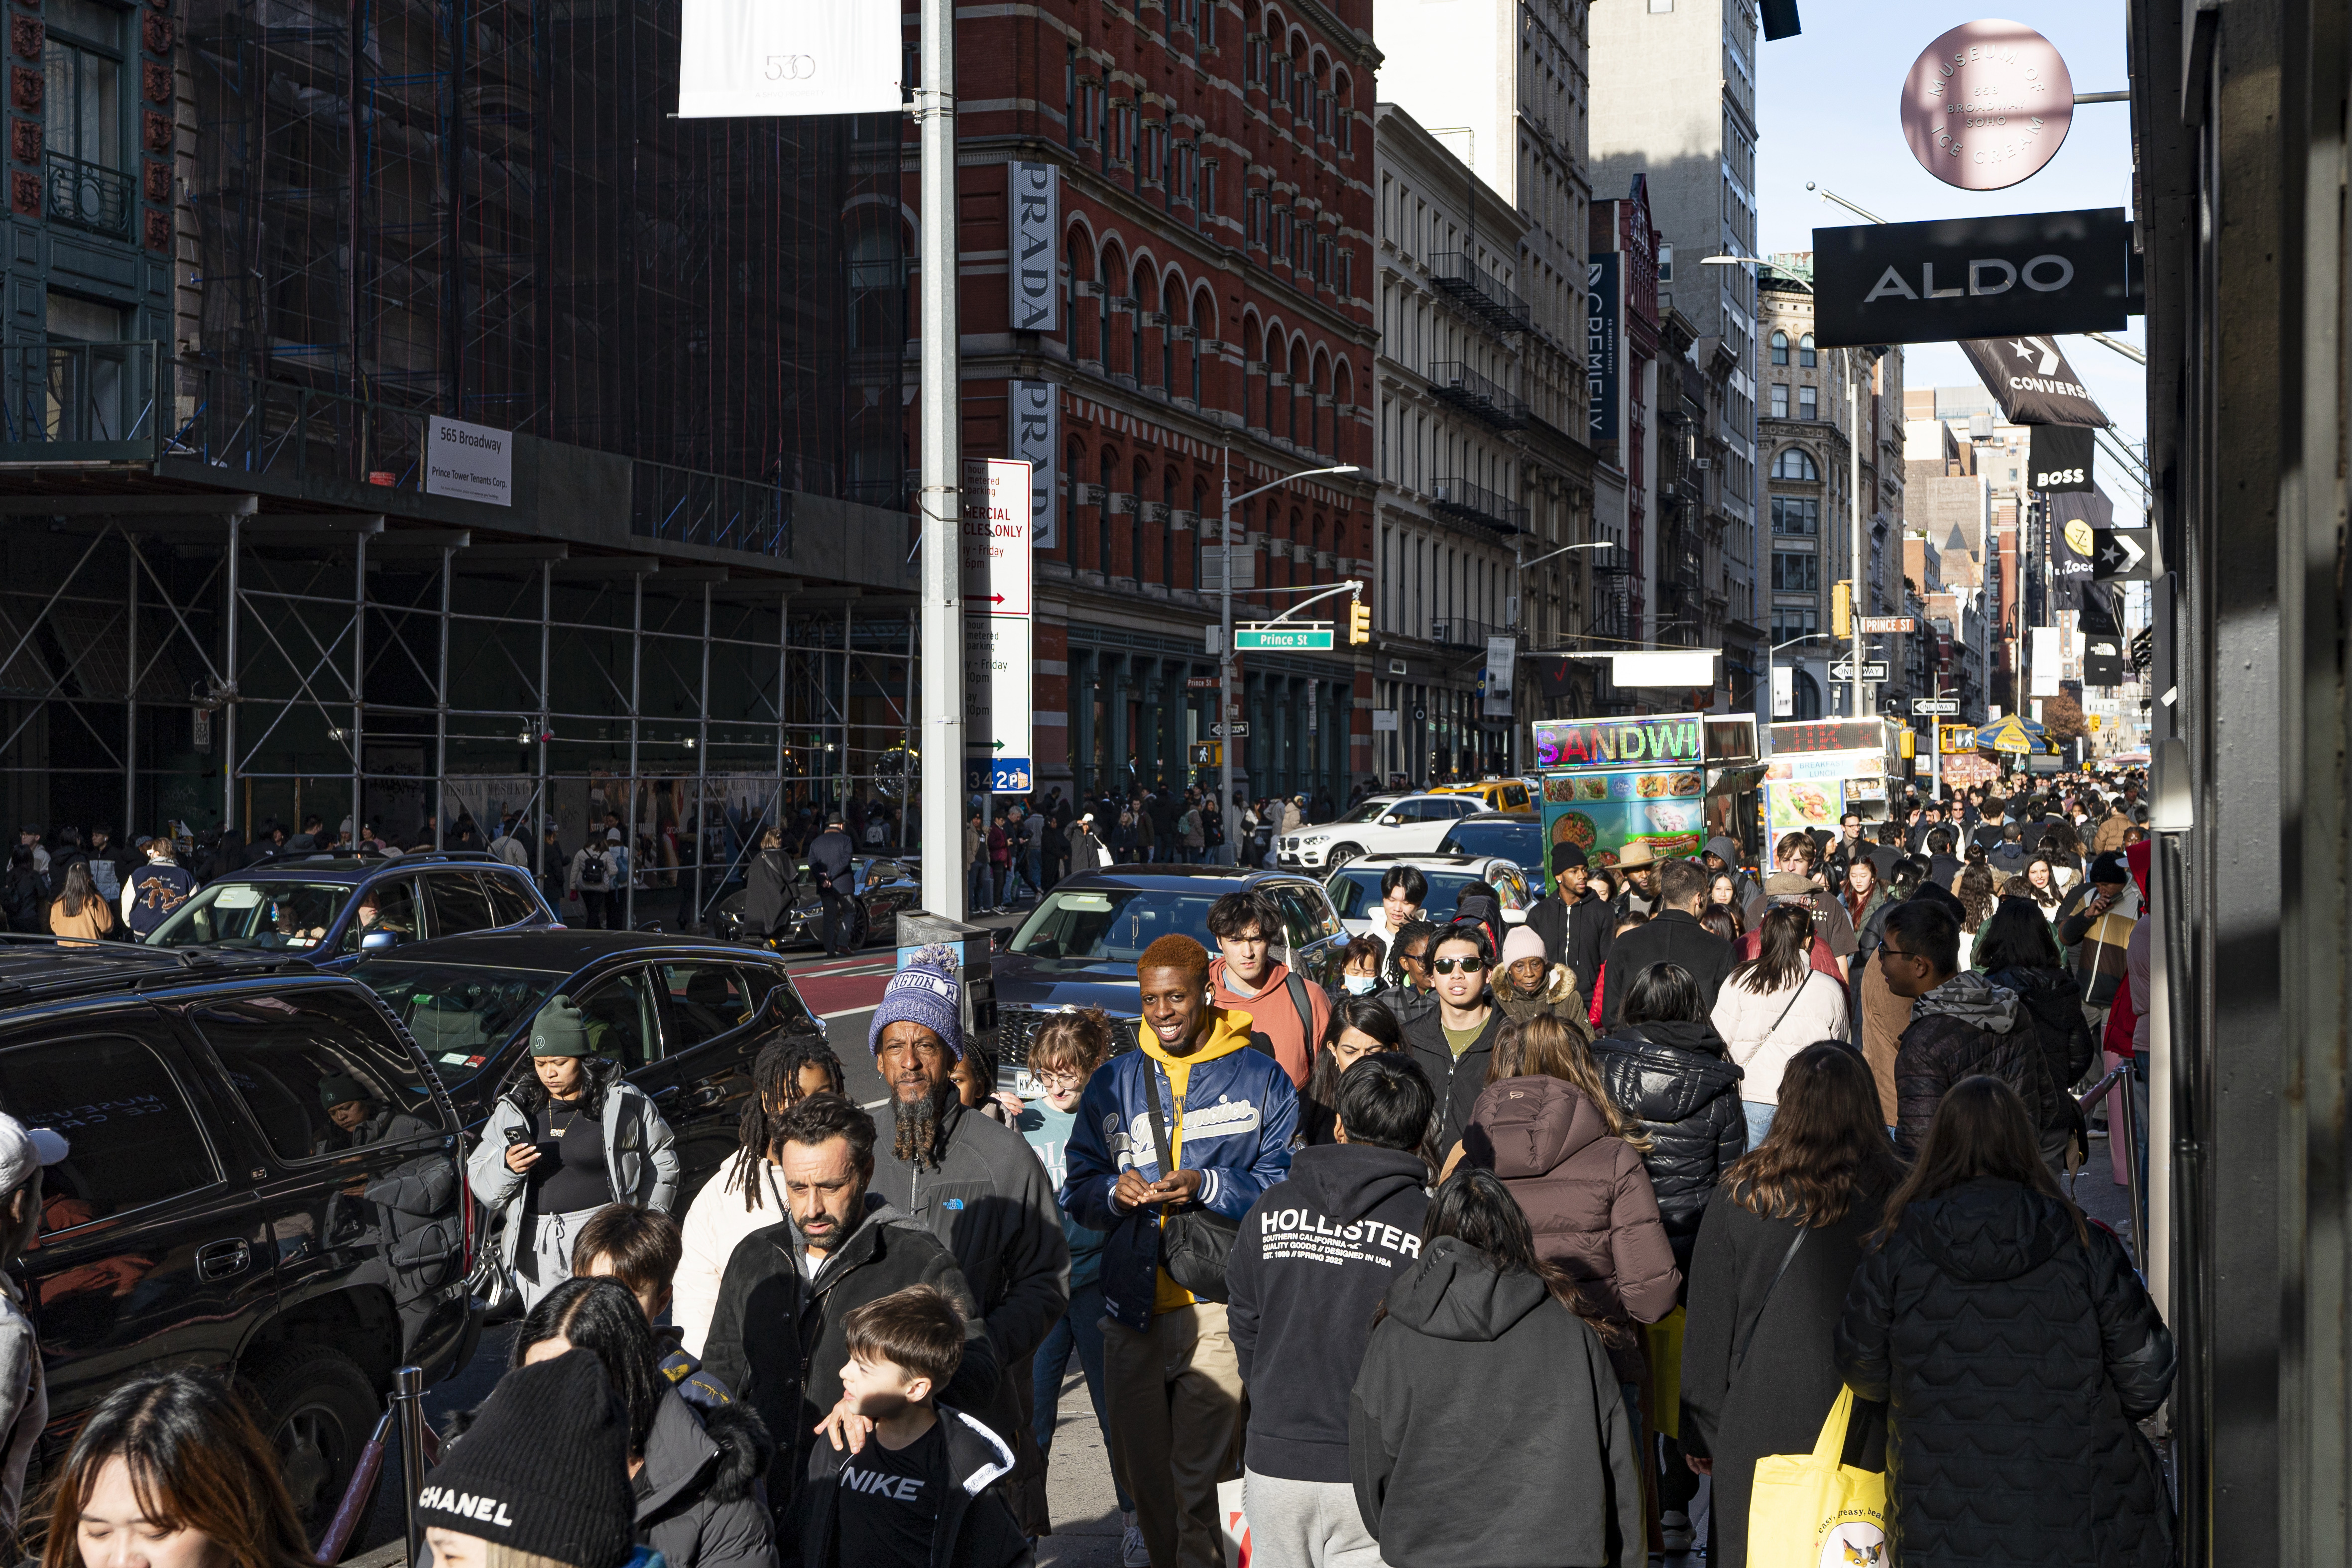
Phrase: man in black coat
{"type": "Point", "coordinates": [1574, 922]}
{"type": "Point", "coordinates": [829, 856]}
{"type": "Point", "coordinates": [1672, 936]}
{"type": "Point", "coordinates": [775, 1335]}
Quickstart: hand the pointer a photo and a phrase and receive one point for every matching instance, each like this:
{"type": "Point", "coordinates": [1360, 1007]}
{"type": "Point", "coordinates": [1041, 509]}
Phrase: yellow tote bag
{"type": "Point", "coordinates": [1808, 1510]}
{"type": "Point", "coordinates": [1663, 1341]}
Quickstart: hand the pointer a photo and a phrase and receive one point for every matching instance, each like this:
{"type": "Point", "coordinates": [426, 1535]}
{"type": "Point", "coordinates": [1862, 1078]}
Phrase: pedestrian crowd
{"type": "Point", "coordinates": [1493, 1252]}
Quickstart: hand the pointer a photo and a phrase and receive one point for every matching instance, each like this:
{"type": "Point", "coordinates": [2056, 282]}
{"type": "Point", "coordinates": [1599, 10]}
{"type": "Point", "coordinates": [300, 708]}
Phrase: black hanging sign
{"type": "Point", "coordinates": [2060, 456]}
{"type": "Point", "coordinates": [1952, 279]}
{"type": "Point", "coordinates": [2030, 378]}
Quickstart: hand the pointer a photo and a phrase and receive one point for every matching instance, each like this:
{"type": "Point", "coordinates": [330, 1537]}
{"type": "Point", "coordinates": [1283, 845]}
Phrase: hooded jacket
{"type": "Point", "coordinates": [1965, 1026]}
{"type": "Point", "coordinates": [2017, 1359]}
{"type": "Point", "coordinates": [2051, 1010]}
{"type": "Point", "coordinates": [1233, 1123]}
{"type": "Point", "coordinates": [1588, 1199]}
{"type": "Point", "coordinates": [776, 1337]}
{"type": "Point", "coordinates": [1679, 1079]}
{"type": "Point", "coordinates": [1831, 924]}
{"type": "Point", "coordinates": [640, 1153]}
{"type": "Point", "coordinates": [975, 1528]}
{"type": "Point", "coordinates": [1315, 1256]}
{"type": "Point", "coordinates": [1559, 999]}
{"type": "Point", "coordinates": [698, 1504]}
{"type": "Point", "coordinates": [1458, 1081]}
{"type": "Point", "coordinates": [1290, 1016]}
{"type": "Point", "coordinates": [1484, 1426]}
{"type": "Point", "coordinates": [1577, 934]}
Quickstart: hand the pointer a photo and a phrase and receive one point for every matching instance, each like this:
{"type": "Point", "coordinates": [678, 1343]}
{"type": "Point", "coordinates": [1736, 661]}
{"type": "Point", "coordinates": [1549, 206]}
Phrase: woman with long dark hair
{"type": "Point", "coordinates": [1978, 901]}
{"type": "Point", "coordinates": [2018, 952]}
{"type": "Point", "coordinates": [2017, 1351]}
{"type": "Point", "coordinates": [695, 1471]}
{"type": "Point", "coordinates": [1773, 1005]}
{"type": "Point", "coordinates": [1768, 1278]}
{"type": "Point", "coordinates": [1667, 1070]}
{"type": "Point", "coordinates": [172, 1471]}
{"type": "Point", "coordinates": [1480, 1339]}
{"type": "Point", "coordinates": [746, 1194]}
{"type": "Point", "coordinates": [1359, 1027]}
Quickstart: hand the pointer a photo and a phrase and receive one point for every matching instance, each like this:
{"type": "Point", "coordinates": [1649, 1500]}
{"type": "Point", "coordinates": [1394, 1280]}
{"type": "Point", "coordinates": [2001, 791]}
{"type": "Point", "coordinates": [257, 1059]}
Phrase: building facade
{"type": "Point", "coordinates": [1673, 100]}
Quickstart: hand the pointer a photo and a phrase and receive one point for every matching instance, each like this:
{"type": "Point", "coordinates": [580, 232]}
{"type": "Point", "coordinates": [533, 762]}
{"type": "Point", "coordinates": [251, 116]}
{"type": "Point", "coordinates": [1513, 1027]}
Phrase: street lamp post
{"type": "Point", "coordinates": [1227, 812]}
{"type": "Point", "coordinates": [1519, 579]}
{"type": "Point", "coordinates": [1769, 666]}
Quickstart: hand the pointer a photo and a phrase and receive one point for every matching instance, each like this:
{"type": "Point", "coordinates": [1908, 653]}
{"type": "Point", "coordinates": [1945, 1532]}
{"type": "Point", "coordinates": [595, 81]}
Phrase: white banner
{"type": "Point", "coordinates": [1033, 259]}
{"type": "Point", "coordinates": [1500, 653]}
{"type": "Point", "coordinates": [472, 462]}
{"type": "Point", "coordinates": [2044, 661]}
{"type": "Point", "coordinates": [999, 693]}
{"type": "Point", "coordinates": [759, 58]}
{"type": "Point", "coordinates": [1784, 691]}
{"type": "Point", "coordinates": [1681, 667]}
{"type": "Point", "coordinates": [1037, 409]}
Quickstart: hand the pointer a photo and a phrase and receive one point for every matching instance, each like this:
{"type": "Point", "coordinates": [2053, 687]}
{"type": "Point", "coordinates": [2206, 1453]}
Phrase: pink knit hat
{"type": "Point", "coordinates": [1521, 943]}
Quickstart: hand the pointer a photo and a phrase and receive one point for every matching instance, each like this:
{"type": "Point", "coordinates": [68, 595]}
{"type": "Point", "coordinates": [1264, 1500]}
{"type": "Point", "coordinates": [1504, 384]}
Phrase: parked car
{"type": "Point", "coordinates": [211, 1213]}
{"type": "Point", "coordinates": [311, 907]}
{"type": "Point", "coordinates": [1498, 795]}
{"type": "Point", "coordinates": [1512, 836]}
{"type": "Point", "coordinates": [1078, 946]}
{"type": "Point", "coordinates": [685, 1017]}
{"type": "Point", "coordinates": [1354, 888]}
{"type": "Point", "coordinates": [1382, 825]}
{"type": "Point", "coordinates": [885, 885]}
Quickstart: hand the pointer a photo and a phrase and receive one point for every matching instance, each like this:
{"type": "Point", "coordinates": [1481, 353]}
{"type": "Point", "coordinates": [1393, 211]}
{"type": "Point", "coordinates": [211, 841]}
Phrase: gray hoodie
{"type": "Point", "coordinates": [1973, 999]}
{"type": "Point", "coordinates": [1966, 1026]}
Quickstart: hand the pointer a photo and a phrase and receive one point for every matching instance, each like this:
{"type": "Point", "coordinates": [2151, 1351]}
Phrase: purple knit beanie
{"type": "Point", "coordinates": [926, 991]}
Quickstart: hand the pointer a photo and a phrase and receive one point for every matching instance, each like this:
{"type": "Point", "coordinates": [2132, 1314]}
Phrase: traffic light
{"type": "Point", "coordinates": [1360, 621]}
{"type": "Point", "coordinates": [1841, 610]}
{"type": "Point", "coordinates": [1910, 741]}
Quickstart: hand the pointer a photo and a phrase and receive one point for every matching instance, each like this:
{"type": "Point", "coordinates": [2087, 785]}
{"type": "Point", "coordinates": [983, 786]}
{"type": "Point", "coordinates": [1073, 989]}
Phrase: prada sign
{"type": "Point", "coordinates": [1033, 258]}
{"type": "Point", "coordinates": [1954, 278]}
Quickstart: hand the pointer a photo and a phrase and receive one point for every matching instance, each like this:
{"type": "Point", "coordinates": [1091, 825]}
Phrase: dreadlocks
{"type": "Point", "coordinates": [1408, 935]}
{"type": "Point", "coordinates": [775, 1089]}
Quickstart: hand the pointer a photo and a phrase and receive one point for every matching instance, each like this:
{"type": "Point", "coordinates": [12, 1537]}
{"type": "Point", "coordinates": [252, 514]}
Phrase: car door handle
{"type": "Point", "coordinates": [220, 1260]}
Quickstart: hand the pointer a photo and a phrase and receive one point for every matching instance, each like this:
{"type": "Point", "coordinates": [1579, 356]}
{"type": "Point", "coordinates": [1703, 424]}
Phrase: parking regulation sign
{"type": "Point", "coordinates": [1010, 775]}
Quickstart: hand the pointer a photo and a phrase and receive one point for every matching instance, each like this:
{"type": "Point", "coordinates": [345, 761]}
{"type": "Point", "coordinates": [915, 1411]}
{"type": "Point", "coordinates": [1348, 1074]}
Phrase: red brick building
{"type": "Point", "coordinates": [1210, 210]}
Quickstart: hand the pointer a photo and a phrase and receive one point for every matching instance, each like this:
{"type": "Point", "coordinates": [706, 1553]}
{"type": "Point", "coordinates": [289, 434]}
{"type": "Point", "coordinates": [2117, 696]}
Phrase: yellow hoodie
{"type": "Point", "coordinates": [1229, 1031]}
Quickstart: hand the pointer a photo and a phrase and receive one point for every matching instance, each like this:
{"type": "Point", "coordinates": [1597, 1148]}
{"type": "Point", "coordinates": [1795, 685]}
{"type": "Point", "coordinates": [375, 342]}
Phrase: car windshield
{"type": "Point", "coordinates": [1113, 923]}
{"type": "Point", "coordinates": [1520, 843]}
{"type": "Point", "coordinates": [1355, 892]}
{"type": "Point", "coordinates": [290, 915]}
{"type": "Point", "coordinates": [459, 1013]}
{"type": "Point", "coordinates": [1371, 811]}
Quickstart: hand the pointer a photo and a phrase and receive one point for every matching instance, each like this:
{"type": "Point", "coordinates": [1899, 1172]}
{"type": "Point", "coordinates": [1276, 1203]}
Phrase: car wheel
{"type": "Point", "coordinates": [1340, 855]}
{"type": "Point", "coordinates": [319, 1408]}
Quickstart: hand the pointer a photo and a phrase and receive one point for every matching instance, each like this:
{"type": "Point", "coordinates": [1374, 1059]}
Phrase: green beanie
{"type": "Point", "coordinates": [335, 1089]}
{"type": "Point", "coordinates": [559, 1030]}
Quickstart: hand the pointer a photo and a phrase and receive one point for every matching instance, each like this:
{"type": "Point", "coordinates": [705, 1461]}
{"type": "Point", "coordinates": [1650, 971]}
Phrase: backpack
{"type": "Point", "coordinates": [2099, 960]}
{"type": "Point", "coordinates": [595, 871]}
{"type": "Point", "coordinates": [875, 837]}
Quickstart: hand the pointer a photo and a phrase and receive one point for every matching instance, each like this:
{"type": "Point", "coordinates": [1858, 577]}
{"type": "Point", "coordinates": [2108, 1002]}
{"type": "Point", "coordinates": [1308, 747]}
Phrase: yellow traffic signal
{"type": "Point", "coordinates": [1360, 621]}
{"type": "Point", "coordinates": [1910, 745]}
{"type": "Point", "coordinates": [1841, 610]}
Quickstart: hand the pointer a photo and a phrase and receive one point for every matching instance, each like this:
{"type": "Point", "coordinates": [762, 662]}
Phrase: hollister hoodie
{"type": "Point", "coordinates": [1314, 1258]}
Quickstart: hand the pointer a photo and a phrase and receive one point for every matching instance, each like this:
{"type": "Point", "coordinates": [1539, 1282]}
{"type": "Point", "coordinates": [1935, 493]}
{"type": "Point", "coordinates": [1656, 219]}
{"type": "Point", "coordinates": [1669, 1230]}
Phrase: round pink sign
{"type": "Point", "coordinates": [1987, 105]}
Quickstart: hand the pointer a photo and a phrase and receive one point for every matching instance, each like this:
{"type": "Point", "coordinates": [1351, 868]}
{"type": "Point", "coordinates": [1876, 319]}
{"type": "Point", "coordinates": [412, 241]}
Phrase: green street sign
{"type": "Point", "coordinates": [1304, 639]}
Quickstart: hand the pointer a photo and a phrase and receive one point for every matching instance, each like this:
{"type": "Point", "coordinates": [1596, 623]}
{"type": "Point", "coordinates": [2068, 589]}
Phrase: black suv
{"type": "Point", "coordinates": [312, 905]}
{"type": "Point", "coordinates": [211, 1213]}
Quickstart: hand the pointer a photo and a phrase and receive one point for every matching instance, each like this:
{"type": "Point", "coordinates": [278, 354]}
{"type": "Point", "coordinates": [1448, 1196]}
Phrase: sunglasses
{"type": "Point", "coordinates": [1884, 951]}
{"type": "Point", "coordinates": [1448, 966]}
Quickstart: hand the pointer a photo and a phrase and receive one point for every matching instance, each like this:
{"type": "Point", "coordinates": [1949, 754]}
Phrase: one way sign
{"type": "Point", "coordinates": [2118, 557]}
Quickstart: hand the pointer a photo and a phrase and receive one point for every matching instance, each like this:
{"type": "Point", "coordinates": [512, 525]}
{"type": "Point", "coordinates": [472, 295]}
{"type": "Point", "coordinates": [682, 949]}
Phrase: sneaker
{"type": "Point", "coordinates": [1132, 1552]}
{"type": "Point", "coordinates": [1675, 1532]}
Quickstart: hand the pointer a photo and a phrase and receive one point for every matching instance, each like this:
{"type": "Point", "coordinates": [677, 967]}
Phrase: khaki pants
{"type": "Point", "coordinates": [1174, 1397]}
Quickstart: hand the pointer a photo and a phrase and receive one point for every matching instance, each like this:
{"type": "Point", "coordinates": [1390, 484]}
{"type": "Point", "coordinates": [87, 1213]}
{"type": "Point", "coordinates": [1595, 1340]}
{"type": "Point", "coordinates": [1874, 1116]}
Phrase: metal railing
{"type": "Point", "coordinates": [1476, 503]}
{"type": "Point", "coordinates": [1458, 633]}
{"type": "Point", "coordinates": [2118, 1083]}
{"type": "Point", "coordinates": [1457, 384]}
{"type": "Point", "coordinates": [89, 196]}
{"type": "Point", "coordinates": [89, 400]}
{"type": "Point", "coordinates": [1479, 291]}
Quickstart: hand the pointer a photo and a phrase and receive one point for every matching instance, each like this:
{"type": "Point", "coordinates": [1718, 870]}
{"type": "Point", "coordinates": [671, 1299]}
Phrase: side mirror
{"type": "Point", "coordinates": [1390, 820]}
{"type": "Point", "coordinates": [379, 942]}
{"type": "Point", "coordinates": [1000, 938]}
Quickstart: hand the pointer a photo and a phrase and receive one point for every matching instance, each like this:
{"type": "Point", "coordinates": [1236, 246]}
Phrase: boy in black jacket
{"type": "Point", "coordinates": [1315, 1256]}
{"type": "Point", "coordinates": [921, 1490]}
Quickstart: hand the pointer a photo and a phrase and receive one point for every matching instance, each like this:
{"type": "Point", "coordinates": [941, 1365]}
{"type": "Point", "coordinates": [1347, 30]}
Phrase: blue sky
{"type": "Point", "coordinates": [1826, 112]}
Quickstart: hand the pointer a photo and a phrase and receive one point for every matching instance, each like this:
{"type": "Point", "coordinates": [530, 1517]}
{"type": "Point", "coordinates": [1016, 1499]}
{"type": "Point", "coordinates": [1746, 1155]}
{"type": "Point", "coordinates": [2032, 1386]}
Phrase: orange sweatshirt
{"type": "Point", "coordinates": [1274, 1014]}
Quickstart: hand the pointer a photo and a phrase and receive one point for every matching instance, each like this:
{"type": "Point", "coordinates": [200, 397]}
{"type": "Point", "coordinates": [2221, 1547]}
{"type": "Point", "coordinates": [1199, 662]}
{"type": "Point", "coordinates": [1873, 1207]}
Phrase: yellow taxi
{"type": "Point", "coordinates": [1500, 794]}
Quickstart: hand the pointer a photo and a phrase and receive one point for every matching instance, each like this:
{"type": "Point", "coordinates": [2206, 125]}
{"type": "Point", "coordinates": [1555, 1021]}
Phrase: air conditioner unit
{"type": "Point", "coordinates": [1704, 463]}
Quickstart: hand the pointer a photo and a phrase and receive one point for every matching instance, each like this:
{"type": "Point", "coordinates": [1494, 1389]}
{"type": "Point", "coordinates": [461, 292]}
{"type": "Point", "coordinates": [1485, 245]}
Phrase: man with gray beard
{"type": "Point", "coordinates": [975, 1185]}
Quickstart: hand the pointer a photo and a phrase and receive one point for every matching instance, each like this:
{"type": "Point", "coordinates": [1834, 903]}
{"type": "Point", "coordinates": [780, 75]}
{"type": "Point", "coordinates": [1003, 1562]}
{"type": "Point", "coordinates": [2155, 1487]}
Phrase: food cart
{"type": "Point", "coordinates": [1820, 769]}
{"type": "Point", "coordinates": [1612, 783]}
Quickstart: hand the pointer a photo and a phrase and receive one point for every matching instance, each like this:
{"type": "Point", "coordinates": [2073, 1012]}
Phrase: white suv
{"type": "Point", "coordinates": [1384, 824]}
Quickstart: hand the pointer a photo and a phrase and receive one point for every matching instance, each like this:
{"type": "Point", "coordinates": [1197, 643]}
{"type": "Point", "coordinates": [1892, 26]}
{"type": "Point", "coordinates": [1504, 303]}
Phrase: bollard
{"type": "Point", "coordinates": [408, 1398]}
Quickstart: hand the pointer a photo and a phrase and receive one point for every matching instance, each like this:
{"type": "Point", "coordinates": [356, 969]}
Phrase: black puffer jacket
{"type": "Point", "coordinates": [2017, 1361]}
{"type": "Point", "coordinates": [1965, 1026]}
{"type": "Point", "coordinates": [1674, 1077]}
{"type": "Point", "coordinates": [2051, 1006]}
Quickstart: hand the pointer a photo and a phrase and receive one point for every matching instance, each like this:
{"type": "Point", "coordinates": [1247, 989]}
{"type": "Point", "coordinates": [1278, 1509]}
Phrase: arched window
{"type": "Point", "coordinates": [1795, 463]}
{"type": "Point", "coordinates": [1102, 512]}
{"type": "Point", "coordinates": [1142, 307]}
{"type": "Point", "coordinates": [1171, 300]}
{"type": "Point", "coordinates": [1805, 355]}
{"type": "Point", "coordinates": [878, 284]}
{"type": "Point", "coordinates": [1135, 518]}
{"type": "Point", "coordinates": [1780, 348]}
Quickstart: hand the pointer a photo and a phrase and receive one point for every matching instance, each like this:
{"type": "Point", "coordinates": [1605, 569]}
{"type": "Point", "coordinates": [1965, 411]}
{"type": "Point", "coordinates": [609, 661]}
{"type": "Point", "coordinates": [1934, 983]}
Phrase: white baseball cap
{"type": "Point", "coordinates": [23, 1148]}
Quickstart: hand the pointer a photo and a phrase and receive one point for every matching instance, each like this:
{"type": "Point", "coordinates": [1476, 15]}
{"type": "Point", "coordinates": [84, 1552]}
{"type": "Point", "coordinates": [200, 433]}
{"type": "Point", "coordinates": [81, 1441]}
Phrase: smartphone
{"type": "Point", "coordinates": [518, 1135]}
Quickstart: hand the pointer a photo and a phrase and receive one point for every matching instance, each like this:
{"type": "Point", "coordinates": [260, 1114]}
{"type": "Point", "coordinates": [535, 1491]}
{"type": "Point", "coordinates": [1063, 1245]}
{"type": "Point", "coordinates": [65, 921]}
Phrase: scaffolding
{"type": "Point", "coordinates": [193, 660]}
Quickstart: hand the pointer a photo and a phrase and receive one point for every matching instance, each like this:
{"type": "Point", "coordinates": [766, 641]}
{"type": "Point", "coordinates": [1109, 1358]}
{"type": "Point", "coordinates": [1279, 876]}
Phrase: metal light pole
{"type": "Point", "coordinates": [1230, 814]}
{"type": "Point", "coordinates": [939, 502]}
{"type": "Point", "coordinates": [1769, 666]}
{"type": "Point", "coordinates": [1853, 500]}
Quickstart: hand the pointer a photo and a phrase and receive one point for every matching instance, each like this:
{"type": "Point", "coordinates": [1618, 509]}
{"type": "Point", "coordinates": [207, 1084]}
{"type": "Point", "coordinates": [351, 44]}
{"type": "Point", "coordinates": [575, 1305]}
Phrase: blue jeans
{"type": "Point", "coordinates": [1080, 1330]}
{"type": "Point", "coordinates": [1759, 1118]}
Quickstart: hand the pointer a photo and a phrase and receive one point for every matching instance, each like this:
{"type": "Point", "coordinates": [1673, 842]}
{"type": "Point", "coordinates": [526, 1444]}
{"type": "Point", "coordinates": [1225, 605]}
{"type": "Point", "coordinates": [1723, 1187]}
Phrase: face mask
{"type": "Point", "coordinates": [1361, 984]}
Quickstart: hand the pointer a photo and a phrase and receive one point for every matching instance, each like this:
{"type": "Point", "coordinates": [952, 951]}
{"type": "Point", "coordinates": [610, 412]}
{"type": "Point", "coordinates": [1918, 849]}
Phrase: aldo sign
{"type": "Point", "coordinates": [1987, 105]}
{"type": "Point", "coordinates": [2029, 273]}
